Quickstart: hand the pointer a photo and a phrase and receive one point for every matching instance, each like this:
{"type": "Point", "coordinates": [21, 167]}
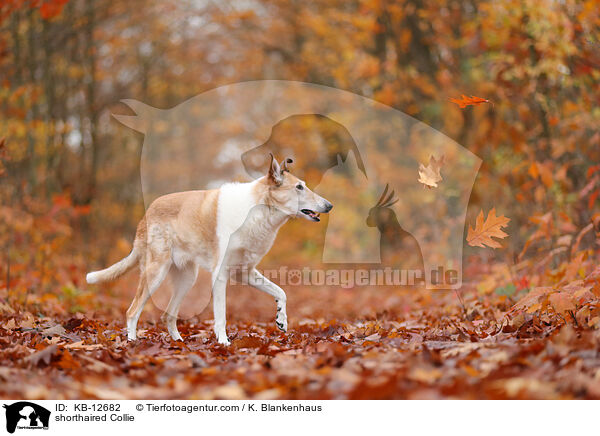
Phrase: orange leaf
{"type": "Point", "coordinates": [562, 302]}
{"type": "Point", "coordinates": [465, 101]}
{"type": "Point", "coordinates": [484, 231]}
{"type": "Point", "coordinates": [533, 300]}
{"type": "Point", "coordinates": [67, 361]}
{"type": "Point", "coordinates": [592, 199]}
{"type": "Point", "coordinates": [546, 174]}
{"type": "Point", "coordinates": [591, 170]}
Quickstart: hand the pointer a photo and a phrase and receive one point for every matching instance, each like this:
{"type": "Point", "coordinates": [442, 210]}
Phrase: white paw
{"type": "Point", "coordinates": [131, 330]}
{"type": "Point", "coordinates": [281, 321]}
{"type": "Point", "coordinates": [222, 338]}
{"type": "Point", "coordinates": [224, 341]}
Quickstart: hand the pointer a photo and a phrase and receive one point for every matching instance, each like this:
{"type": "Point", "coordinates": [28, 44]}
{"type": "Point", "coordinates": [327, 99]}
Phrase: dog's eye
{"type": "Point", "coordinates": [299, 187]}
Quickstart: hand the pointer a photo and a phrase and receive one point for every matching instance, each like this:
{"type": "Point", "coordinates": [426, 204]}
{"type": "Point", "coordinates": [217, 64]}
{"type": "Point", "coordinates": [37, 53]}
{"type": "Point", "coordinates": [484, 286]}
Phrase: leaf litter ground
{"type": "Point", "coordinates": [379, 344]}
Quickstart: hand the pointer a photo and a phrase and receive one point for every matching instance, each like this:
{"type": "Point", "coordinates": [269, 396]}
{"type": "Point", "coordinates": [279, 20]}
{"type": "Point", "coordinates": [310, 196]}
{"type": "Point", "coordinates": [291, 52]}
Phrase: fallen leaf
{"type": "Point", "coordinates": [96, 365]}
{"type": "Point", "coordinates": [56, 330]}
{"type": "Point", "coordinates": [247, 342]}
{"type": "Point", "coordinates": [231, 391]}
{"type": "Point", "coordinates": [197, 361]}
{"type": "Point", "coordinates": [67, 361]}
{"type": "Point", "coordinates": [6, 308]}
{"type": "Point", "coordinates": [535, 297]}
{"type": "Point", "coordinates": [562, 302]}
{"type": "Point", "coordinates": [42, 356]}
{"type": "Point", "coordinates": [81, 346]}
{"type": "Point", "coordinates": [28, 322]}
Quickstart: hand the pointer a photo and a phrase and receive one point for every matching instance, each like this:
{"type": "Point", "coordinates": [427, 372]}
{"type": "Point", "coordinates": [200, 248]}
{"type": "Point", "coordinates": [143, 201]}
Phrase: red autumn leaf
{"type": "Point", "coordinates": [592, 199]}
{"type": "Point", "coordinates": [591, 170]}
{"type": "Point", "coordinates": [465, 101]}
{"type": "Point", "coordinates": [51, 9]}
{"type": "Point", "coordinates": [522, 284]}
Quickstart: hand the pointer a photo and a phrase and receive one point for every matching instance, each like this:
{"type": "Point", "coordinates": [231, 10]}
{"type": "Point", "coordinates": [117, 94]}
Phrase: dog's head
{"type": "Point", "coordinates": [291, 195]}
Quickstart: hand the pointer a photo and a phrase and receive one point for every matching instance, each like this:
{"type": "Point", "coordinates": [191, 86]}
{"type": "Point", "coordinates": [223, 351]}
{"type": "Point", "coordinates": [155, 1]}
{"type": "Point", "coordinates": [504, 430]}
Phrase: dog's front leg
{"type": "Point", "coordinates": [220, 308]}
{"type": "Point", "coordinates": [262, 283]}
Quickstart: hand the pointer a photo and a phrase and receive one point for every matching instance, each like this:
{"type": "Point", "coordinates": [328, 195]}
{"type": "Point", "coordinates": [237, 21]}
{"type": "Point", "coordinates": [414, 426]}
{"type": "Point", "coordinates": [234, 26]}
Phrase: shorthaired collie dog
{"type": "Point", "coordinates": [220, 230]}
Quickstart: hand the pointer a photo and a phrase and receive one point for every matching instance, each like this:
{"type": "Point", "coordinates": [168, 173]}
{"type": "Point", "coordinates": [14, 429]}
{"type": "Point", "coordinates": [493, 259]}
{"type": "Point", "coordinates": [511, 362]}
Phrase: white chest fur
{"type": "Point", "coordinates": [246, 229]}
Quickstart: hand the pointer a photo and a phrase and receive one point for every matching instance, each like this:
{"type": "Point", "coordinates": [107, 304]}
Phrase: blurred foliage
{"type": "Point", "coordinates": [70, 174]}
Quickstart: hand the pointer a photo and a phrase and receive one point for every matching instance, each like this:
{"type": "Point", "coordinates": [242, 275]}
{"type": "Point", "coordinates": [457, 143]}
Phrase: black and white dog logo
{"type": "Point", "coordinates": [26, 415]}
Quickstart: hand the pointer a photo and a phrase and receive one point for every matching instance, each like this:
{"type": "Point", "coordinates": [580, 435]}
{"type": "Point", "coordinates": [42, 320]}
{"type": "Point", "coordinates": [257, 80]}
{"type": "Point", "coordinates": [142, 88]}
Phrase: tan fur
{"type": "Point", "coordinates": [187, 220]}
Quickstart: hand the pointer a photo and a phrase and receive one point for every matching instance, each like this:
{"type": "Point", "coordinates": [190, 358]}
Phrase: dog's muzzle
{"type": "Point", "coordinates": [314, 215]}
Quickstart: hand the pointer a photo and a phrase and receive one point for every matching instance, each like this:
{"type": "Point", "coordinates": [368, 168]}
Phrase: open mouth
{"type": "Point", "coordinates": [311, 213]}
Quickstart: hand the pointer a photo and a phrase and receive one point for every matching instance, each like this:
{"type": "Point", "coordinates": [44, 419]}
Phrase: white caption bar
{"type": "Point", "coordinates": [160, 417]}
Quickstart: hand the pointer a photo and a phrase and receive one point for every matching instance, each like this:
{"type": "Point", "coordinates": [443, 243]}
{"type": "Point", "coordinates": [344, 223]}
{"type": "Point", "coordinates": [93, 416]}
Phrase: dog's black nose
{"type": "Point", "coordinates": [328, 206]}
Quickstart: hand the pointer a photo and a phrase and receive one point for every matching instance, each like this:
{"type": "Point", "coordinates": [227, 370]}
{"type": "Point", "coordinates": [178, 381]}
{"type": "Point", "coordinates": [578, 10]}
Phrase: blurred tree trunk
{"type": "Point", "coordinates": [17, 75]}
{"type": "Point", "coordinates": [90, 92]}
{"type": "Point", "coordinates": [49, 91]}
{"type": "Point", "coordinates": [32, 113]}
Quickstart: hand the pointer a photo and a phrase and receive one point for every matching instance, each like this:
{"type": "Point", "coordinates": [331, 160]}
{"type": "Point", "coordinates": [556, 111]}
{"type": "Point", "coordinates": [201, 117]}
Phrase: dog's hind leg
{"type": "Point", "coordinates": [260, 282]}
{"type": "Point", "coordinates": [139, 295]}
{"type": "Point", "coordinates": [150, 280]}
{"type": "Point", "coordinates": [183, 280]}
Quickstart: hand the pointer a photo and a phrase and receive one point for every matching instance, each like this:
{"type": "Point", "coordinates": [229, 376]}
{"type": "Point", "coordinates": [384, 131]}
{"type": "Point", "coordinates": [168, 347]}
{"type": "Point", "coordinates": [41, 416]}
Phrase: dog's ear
{"type": "Point", "coordinates": [275, 172]}
{"type": "Point", "coordinates": [285, 163]}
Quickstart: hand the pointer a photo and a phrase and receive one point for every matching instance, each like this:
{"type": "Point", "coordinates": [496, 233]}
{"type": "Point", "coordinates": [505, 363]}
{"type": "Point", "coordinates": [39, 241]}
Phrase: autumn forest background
{"type": "Point", "coordinates": [526, 322]}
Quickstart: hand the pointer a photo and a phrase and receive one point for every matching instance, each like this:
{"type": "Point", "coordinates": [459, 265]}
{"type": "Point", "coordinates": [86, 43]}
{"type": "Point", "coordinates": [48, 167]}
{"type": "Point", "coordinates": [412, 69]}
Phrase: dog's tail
{"type": "Point", "coordinates": [116, 270]}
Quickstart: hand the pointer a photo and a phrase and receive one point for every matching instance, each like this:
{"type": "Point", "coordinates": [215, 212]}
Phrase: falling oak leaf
{"type": "Point", "coordinates": [465, 101]}
{"type": "Point", "coordinates": [430, 175]}
{"type": "Point", "coordinates": [484, 231]}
